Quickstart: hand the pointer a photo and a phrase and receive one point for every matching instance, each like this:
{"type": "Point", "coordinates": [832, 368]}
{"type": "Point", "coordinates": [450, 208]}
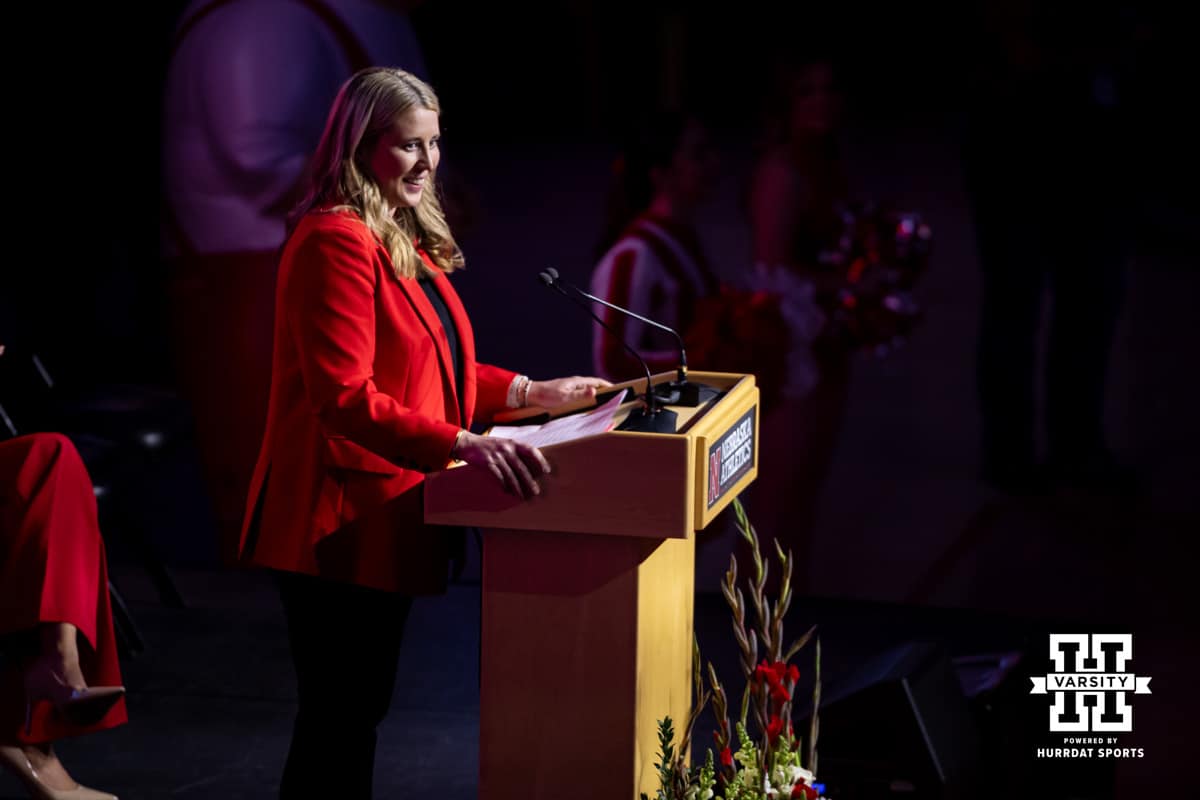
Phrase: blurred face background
{"type": "Point", "coordinates": [814, 100]}
{"type": "Point", "coordinates": [693, 170]}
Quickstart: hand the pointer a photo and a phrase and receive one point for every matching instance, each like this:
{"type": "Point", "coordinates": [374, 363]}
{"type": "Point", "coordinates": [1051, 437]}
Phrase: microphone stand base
{"type": "Point", "coordinates": [663, 420]}
{"type": "Point", "coordinates": [685, 394]}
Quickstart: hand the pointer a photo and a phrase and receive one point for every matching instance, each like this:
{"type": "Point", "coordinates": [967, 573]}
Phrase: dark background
{"type": "Point", "coordinates": [528, 79]}
{"type": "Point", "coordinates": [535, 96]}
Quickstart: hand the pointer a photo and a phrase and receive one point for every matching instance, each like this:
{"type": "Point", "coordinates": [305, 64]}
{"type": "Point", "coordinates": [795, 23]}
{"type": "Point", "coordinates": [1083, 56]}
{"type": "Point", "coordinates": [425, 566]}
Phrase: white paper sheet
{"type": "Point", "coordinates": [563, 429]}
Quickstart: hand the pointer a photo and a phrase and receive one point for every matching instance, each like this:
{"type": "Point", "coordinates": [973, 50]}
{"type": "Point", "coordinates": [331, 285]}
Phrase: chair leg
{"type": "Point", "coordinates": [164, 581]}
{"type": "Point", "coordinates": [160, 575]}
{"type": "Point", "coordinates": [129, 638]}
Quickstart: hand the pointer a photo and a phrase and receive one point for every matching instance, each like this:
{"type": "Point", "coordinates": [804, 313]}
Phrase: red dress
{"type": "Point", "coordinates": [52, 569]}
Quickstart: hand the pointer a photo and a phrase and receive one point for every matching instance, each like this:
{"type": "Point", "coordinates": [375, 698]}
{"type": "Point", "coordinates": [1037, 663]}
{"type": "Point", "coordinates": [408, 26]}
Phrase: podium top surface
{"type": "Point", "coordinates": [625, 483]}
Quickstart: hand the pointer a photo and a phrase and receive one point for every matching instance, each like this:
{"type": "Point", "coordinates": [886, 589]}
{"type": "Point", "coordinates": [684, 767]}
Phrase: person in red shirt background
{"type": "Point", "coordinates": [653, 261]}
{"type": "Point", "coordinates": [247, 87]}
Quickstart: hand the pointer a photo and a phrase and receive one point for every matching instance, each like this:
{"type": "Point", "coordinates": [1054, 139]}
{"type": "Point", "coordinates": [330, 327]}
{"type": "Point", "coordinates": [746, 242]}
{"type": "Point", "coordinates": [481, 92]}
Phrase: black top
{"type": "Point", "coordinates": [443, 312]}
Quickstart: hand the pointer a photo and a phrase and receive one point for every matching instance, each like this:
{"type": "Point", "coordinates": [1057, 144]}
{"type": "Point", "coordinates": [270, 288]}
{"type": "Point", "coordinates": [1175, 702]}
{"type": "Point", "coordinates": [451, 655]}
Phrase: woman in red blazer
{"type": "Point", "coordinates": [374, 383]}
{"type": "Point", "coordinates": [59, 675]}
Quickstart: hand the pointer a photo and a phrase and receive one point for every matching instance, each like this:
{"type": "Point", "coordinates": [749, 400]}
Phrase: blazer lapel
{"type": "Point", "coordinates": [433, 324]}
{"type": "Point", "coordinates": [466, 342]}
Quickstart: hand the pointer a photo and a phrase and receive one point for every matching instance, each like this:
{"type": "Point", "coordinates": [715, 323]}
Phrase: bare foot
{"type": "Point", "coordinates": [55, 672]}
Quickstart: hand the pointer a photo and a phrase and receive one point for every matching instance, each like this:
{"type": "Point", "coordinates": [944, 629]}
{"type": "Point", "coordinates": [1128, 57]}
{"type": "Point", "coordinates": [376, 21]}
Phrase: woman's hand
{"type": "Point", "coordinates": [516, 465]}
{"type": "Point", "coordinates": [560, 391]}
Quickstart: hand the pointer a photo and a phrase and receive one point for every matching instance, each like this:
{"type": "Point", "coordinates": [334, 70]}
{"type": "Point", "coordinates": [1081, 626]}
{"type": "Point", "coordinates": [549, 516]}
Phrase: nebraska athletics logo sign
{"type": "Point", "coordinates": [731, 457]}
{"type": "Point", "coordinates": [1091, 686]}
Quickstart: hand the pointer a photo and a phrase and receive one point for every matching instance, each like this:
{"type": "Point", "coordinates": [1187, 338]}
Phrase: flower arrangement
{"type": "Point", "coordinates": [880, 253]}
{"type": "Point", "coordinates": [770, 763]}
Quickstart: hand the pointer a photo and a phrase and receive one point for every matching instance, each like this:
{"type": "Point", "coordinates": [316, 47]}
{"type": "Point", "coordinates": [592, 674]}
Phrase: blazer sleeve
{"type": "Point", "coordinates": [492, 390]}
{"type": "Point", "coordinates": [329, 300]}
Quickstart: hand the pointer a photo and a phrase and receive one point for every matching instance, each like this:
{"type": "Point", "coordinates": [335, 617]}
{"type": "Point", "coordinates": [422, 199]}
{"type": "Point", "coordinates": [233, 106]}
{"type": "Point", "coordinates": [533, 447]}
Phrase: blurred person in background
{"type": "Point", "coordinates": [248, 87]}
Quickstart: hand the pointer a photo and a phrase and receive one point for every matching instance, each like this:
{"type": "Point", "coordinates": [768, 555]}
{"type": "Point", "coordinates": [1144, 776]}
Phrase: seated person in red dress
{"type": "Point", "coordinates": [59, 675]}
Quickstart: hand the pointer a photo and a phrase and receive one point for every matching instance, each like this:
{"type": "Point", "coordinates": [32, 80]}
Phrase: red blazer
{"type": "Point", "coordinates": [362, 405]}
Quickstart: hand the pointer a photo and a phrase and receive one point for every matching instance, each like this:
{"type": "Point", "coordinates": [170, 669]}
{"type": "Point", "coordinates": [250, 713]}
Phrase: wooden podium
{"type": "Point", "coordinates": [588, 591]}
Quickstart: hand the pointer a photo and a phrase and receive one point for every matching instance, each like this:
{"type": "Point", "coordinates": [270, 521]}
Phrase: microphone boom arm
{"type": "Point", "coordinates": [681, 391]}
{"type": "Point", "coordinates": [550, 279]}
{"type": "Point", "coordinates": [682, 369]}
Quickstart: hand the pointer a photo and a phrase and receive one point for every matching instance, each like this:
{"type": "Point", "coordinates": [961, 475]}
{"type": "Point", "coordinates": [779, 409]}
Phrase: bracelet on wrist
{"type": "Point", "coordinates": [513, 400]}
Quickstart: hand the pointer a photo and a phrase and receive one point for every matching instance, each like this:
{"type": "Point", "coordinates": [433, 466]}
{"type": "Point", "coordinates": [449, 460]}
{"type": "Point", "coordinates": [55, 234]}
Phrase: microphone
{"type": "Point", "coordinates": [679, 392]}
{"type": "Point", "coordinates": [654, 418]}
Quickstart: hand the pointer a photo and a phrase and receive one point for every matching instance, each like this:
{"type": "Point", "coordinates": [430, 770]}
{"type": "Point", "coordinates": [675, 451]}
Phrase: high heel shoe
{"type": "Point", "coordinates": [18, 763]}
{"type": "Point", "coordinates": [83, 707]}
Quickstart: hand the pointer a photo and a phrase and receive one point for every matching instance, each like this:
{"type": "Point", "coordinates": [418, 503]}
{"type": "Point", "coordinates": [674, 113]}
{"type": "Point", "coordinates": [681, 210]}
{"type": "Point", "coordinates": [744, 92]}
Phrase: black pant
{"type": "Point", "coordinates": [345, 644]}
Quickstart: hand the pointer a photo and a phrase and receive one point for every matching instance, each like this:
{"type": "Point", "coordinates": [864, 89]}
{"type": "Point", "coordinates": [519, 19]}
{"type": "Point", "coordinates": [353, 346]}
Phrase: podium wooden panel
{"type": "Point", "coordinates": [587, 622]}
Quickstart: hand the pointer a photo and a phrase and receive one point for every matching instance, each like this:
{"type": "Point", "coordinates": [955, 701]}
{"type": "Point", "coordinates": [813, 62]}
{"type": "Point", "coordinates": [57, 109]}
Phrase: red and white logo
{"type": "Point", "coordinates": [714, 474]}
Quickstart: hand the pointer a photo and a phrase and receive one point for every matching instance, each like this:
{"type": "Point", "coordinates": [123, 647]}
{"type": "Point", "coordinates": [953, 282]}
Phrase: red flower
{"type": "Point", "coordinates": [807, 792]}
{"type": "Point", "coordinates": [774, 728]}
{"type": "Point", "coordinates": [774, 676]}
{"type": "Point", "coordinates": [784, 671]}
{"type": "Point", "coordinates": [727, 757]}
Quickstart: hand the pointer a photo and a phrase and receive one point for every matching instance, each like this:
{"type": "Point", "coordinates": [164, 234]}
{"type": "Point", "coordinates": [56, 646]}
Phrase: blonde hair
{"type": "Point", "coordinates": [367, 105]}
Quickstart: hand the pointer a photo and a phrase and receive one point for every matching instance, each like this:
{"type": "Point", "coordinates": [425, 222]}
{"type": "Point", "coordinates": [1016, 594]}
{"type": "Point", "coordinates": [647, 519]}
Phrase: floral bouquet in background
{"type": "Point", "coordinates": [760, 757]}
{"type": "Point", "coordinates": [880, 253]}
{"type": "Point", "coordinates": [739, 330]}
